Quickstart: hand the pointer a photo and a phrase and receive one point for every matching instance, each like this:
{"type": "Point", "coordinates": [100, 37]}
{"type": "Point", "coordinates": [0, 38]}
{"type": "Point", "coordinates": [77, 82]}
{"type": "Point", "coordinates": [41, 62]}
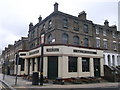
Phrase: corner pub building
{"type": "Point", "coordinates": [69, 48]}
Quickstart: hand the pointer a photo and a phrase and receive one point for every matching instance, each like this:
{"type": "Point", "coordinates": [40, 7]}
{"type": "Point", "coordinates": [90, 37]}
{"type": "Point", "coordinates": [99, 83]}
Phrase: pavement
{"type": "Point", "coordinates": [21, 83]}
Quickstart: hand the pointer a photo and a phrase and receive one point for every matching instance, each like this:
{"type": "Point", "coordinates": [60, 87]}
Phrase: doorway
{"type": "Point", "coordinates": [52, 67]}
{"type": "Point", "coordinates": [96, 67]}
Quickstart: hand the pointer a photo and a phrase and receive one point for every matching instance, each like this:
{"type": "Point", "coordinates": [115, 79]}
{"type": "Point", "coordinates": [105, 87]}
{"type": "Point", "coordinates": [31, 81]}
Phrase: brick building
{"type": "Point", "coordinates": [74, 46]}
{"type": "Point", "coordinates": [10, 52]}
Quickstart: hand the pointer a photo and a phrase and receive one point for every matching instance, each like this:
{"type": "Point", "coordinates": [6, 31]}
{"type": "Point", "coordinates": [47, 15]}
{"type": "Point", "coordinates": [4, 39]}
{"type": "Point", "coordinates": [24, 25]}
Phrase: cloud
{"type": "Point", "coordinates": [15, 15]}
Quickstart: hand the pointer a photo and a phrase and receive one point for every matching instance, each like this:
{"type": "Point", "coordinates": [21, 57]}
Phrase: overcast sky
{"type": "Point", "coordinates": [15, 15]}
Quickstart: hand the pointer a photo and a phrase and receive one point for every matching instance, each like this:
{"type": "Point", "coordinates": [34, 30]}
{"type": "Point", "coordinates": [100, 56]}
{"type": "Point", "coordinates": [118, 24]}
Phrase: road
{"type": "Point", "coordinates": [23, 83]}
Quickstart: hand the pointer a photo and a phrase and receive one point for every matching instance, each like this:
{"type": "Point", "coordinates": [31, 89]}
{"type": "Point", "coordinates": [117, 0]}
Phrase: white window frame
{"type": "Point", "coordinates": [97, 42]}
{"type": "Point", "coordinates": [105, 43]}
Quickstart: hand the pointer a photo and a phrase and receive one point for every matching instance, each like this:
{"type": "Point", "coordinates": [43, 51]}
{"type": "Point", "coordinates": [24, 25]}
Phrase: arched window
{"type": "Point", "coordinates": [76, 40]}
{"type": "Point", "coordinates": [113, 60]}
{"type": "Point", "coordinates": [109, 63]}
{"type": "Point", "coordinates": [86, 42]}
{"type": "Point", "coordinates": [50, 24]}
{"type": "Point", "coordinates": [65, 38]}
{"type": "Point", "coordinates": [49, 39]}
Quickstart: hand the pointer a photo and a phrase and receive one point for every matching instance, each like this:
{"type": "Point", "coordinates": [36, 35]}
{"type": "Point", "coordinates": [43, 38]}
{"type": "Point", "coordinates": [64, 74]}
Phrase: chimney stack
{"type": "Point", "coordinates": [30, 25]}
{"type": "Point", "coordinates": [55, 7]}
{"type": "Point", "coordinates": [82, 15]}
{"type": "Point", "coordinates": [39, 19]}
{"type": "Point", "coordinates": [106, 23]}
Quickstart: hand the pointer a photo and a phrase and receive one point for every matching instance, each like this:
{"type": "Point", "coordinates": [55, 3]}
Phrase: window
{"type": "Point", "coordinates": [22, 63]}
{"type": "Point", "coordinates": [85, 64]}
{"type": "Point", "coordinates": [33, 64]}
{"type": "Point", "coordinates": [65, 23]}
{"type": "Point", "coordinates": [114, 45]}
{"type": "Point", "coordinates": [72, 64]}
{"type": "Point", "coordinates": [104, 32]}
{"type": "Point", "coordinates": [50, 24]}
{"type": "Point", "coordinates": [105, 43]}
{"type": "Point", "coordinates": [97, 42]}
{"type": "Point", "coordinates": [86, 42]}
{"type": "Point", "coordinates": [97, 30]}
{"type": "Point", "coordinates": [49, 39]}
{"type": "Point", "coordinates": [113, 35]}
{"type": "Point", "coordinates": [119, 36]}
{"type": "Point", "coordinates": [65, 38]}
{"type": "Point", "coordinates": [76, 26]}
{"type": "Point", "coordinates": [43, 26]}
{"type": "Point", "coordinates": [76, 40]}
{"type": "Point", "coordinates": [85, 28]}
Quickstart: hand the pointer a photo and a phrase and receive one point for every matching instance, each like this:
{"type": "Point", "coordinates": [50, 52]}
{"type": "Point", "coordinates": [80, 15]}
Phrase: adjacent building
{"type": "Point", "coordinates": [9, 54]}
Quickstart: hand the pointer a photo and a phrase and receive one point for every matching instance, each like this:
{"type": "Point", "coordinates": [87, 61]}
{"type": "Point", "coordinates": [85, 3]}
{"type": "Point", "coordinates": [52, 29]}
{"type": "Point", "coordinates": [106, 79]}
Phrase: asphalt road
{"type": "Point", "coordinates": [68, 89]}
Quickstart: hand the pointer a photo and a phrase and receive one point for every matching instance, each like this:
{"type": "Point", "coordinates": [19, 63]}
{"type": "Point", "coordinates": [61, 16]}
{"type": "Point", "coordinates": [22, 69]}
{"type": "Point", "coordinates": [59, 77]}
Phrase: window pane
{"type": "Point", "coordinates": [50, 38]}
{"type": "Point", "coordinates": [65, 23]}
{"type": "Point", "coordinates": [85, 65]}
{"type": "Point", "coordinates": [97, 30]}
{"type": "Point", "coordinates": [85, 28]}
{"type": "Point", "coordinates": [72, 64]}
{"type": "Point", "coordinates": [86, 42]}
{"type": "Point", "coordinates": [105, 44]}
{"type": "Point", "coordinates": [97, 43]}
{"type": "Point", "coordinates": [50, 24]}
{"type": "Point", "coordinates": [65, 38]}
{"type": "Point", "coordinates": [76, 26]}
{"type": "Point", "coordinates": [76, 40]}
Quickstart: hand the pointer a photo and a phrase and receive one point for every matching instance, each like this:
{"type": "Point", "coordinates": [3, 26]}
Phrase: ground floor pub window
{"type": "Point", "coordinates": [22, 62]}
{"type": "Point", "coordinates": [72, 64]}
{"type": "Point", "coordinates": [85, 64]}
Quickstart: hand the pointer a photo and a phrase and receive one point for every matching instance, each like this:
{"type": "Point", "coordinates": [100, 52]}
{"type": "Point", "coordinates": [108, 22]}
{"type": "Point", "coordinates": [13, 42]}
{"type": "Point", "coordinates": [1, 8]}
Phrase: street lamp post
{"type": "Point", "coordinates": [17, 62]}
{"type": "Point", "coordinates": [42, 57]}
{"type": "Point", "coordinates": [4, 70]}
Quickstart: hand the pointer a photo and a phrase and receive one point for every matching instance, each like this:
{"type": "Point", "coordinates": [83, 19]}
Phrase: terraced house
{"type": "Point", "coordinates": [73, 46]}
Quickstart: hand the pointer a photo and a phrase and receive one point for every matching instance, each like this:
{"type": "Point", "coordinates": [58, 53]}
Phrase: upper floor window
{"type": "Point", "coordinates": [97, 42]}
{"type": "Point", "coordinates": [65, 38]}
{"type": "Point", "coordinates": [113, 34]}
{"type": "Point", "coordinates": [86, 42]}
{"type": "Point", "coordinates": [76, 40]}
{"type": "Point", "coordinates": [104, 33]}
{"type": "Point", "coordinates": [119, 36]}
{"type": "Point", "coordinates": [43, 27]}
{"type": "Point", "coordinates": [114, 45]}
{"type": "Point", "coordinates": [105, 43]}
{"type": "Point", "coordinates": [65, 23]}
{"type": "Point", "coordinates": [97, 30]}
{"type": "Point", "coordinates": [50, 24]}
{"type": "Point", "coordinates": [49, 38]}
{"type": "Point", "coordinates": [76, 26]}
{"type": "Point", "coordinates": [85, 28]}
